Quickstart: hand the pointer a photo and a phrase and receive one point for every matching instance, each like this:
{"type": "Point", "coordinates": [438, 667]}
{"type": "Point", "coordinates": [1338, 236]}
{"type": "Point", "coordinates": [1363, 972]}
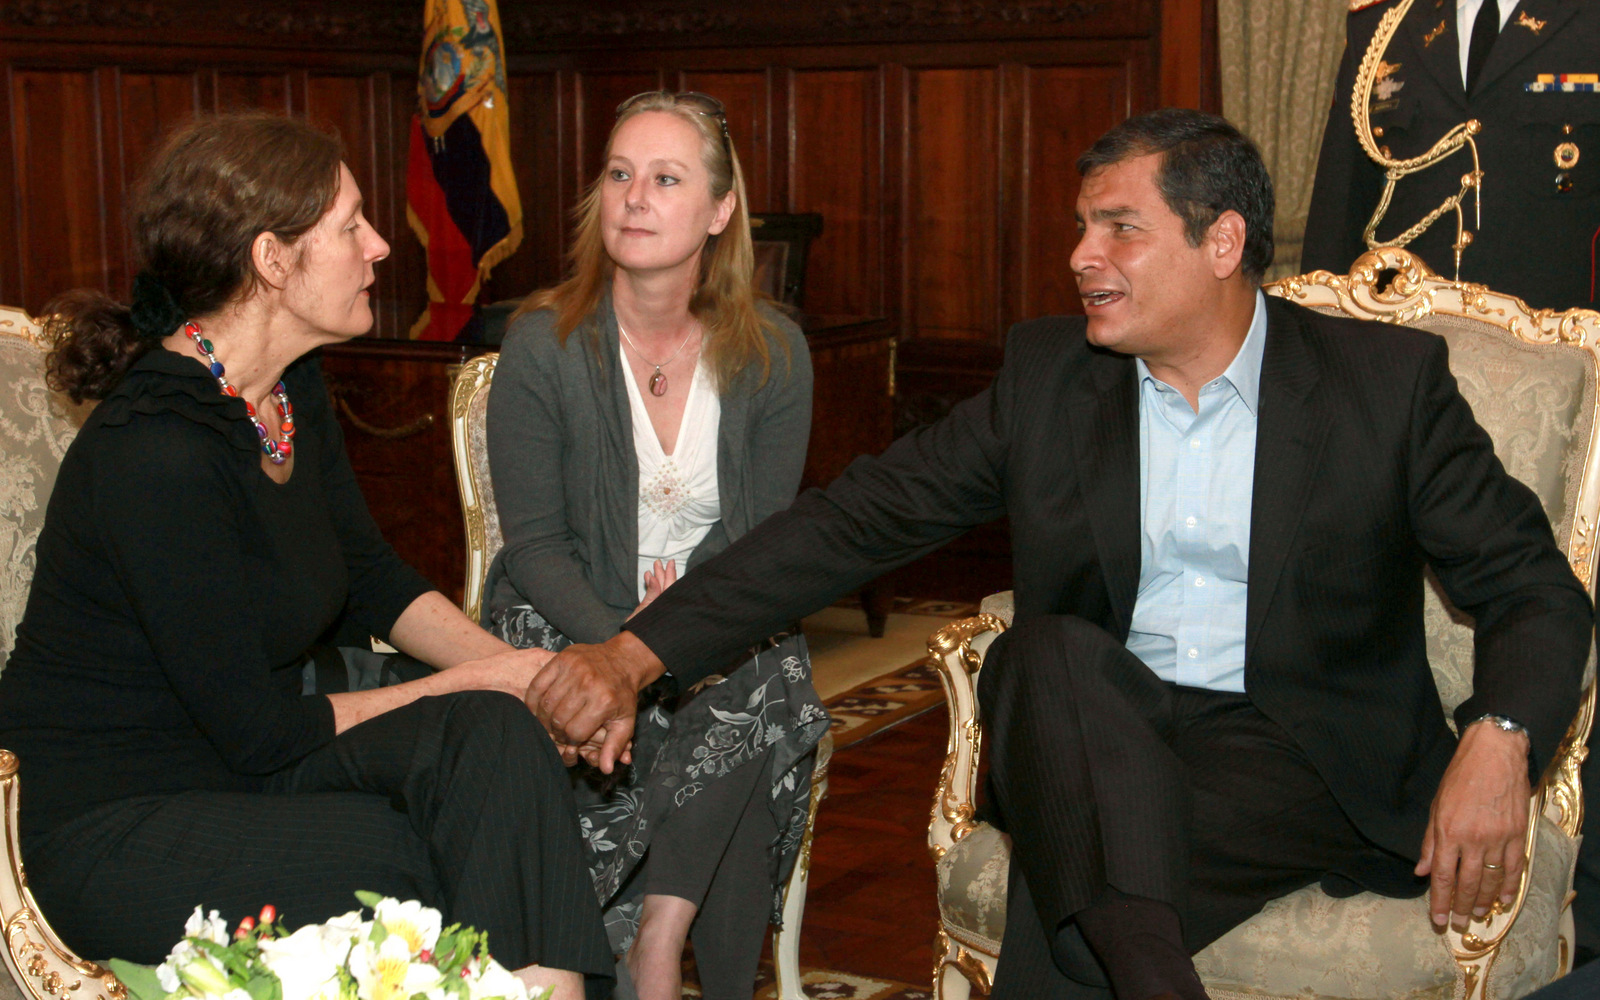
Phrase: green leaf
{"type": "Point", "coordinates": [264, 985]}
{"type": "Point", "coordinates": [140, 980]}
{"type": "Point", "coordinates": [368, 898]}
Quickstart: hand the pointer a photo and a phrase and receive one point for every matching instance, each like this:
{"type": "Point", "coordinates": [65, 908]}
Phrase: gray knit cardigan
{"type": "Point", "coordinates": [566, 476]}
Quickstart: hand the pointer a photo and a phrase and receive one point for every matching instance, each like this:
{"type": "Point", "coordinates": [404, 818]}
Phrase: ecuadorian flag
{"type": "Point", "coordinates": [461, 197]}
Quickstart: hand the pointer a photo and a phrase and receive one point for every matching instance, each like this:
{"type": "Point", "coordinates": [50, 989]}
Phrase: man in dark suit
{"type": "Point", "coordinates": [1216, 690]}
{"type": "Point", "coordinates": [1528, 74]}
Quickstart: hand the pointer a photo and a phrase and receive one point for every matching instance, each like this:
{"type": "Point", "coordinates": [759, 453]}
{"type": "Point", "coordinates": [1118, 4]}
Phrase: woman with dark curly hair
{"type": "Point", "coordinates": [204, 532]}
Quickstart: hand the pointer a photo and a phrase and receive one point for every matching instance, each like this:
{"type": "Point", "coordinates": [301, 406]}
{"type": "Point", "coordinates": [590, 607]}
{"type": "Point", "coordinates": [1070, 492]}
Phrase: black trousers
{"type": "Point", "coordinates": [460, 801]}
{"type": "Point", "coordinates": [1106, 777]}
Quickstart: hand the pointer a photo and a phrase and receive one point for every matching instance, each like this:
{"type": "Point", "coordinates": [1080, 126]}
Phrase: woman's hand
{"type": "Point", "coordinates": [510, 671]}
{"type": "Point", "coordinates": [589, 751]}
{"type": "Point", "coordinates": [656, 581]}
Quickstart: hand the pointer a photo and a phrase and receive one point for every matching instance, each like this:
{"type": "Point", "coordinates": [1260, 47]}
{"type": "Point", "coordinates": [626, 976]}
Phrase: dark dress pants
{"type": "Point", "coordinates": [460, 801]}
{"type": "Point", "coordinates": [1107, 777]}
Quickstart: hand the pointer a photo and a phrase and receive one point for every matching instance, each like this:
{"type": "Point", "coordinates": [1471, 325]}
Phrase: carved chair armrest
{"type": "Point", "coordinates": [1558, 798]}
{"type": "Point", "coordinates": [40, 964]}
{"type": "Point", "coordinates": [957, 652]}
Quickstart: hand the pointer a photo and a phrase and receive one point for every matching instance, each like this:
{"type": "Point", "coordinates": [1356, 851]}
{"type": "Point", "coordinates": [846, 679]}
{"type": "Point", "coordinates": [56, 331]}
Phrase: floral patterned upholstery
{"type": "Point", "coordinates": [1306, 945]}
{"type": "Point", "coordinates": [1538, 406]}
{"type": "Point", "coordinates": [36, 426]}
{"type": "Point", "coordinates": [1538, 403]}
{"type": "Point", "coordinates": [972, 887]}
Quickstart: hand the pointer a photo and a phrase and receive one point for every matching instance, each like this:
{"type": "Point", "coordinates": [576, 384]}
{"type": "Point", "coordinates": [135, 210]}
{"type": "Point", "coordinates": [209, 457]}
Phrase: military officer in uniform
{"type": "Point", "coordinates": [1528, 75]}
{"type": "Point", "coordinates": [1513, 89]}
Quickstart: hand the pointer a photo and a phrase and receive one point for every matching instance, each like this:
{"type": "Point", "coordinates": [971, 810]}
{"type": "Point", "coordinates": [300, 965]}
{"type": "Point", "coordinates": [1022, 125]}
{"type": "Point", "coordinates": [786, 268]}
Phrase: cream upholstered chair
{"type": "Point", "coordinates": [1531, 379]}
{"type": "Point", "coordinates": [469, 400]}
{"type": "Point", "coordinates": [36, 426]}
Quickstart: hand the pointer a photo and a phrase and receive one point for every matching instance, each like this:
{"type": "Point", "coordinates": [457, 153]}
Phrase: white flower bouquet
{"type": "Point", "coordinates": [402, 953]}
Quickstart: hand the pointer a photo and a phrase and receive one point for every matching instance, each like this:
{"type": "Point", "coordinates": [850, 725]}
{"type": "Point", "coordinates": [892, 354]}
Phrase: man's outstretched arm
{"type": "Point", "coordinates": [928, 487]}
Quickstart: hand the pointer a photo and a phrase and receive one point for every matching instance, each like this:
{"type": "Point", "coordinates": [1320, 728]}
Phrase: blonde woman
{"type": "Point", "coordinates": [645, 413]}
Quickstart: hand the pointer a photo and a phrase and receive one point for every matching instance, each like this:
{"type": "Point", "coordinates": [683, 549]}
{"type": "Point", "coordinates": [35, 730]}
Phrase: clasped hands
{"type": "Point", "coordinates": [1474, 848]}
{"type": "Point", "coordinates": [586, 696]}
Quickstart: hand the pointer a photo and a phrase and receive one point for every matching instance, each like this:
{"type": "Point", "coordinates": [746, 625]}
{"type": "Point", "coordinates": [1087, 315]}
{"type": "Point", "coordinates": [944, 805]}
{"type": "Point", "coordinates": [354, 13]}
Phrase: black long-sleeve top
{"type": "Point", "coordinates": [178, 588]}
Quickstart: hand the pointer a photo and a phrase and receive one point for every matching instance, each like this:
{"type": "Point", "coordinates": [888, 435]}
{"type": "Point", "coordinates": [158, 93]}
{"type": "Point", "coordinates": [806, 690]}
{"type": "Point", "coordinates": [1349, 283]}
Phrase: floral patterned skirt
{"type": "Point", "coordinates": [763, 714]}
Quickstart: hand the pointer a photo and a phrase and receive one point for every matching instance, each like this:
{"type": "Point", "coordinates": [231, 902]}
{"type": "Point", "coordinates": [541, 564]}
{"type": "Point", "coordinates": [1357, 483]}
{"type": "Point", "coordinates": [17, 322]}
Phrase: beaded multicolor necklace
{"type": "Point", "coordinates": [277, 452]}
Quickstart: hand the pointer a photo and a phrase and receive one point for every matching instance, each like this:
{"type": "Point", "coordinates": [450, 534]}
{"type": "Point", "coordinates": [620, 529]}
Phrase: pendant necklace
{"type": "Point", "coordinates": [658, 381]}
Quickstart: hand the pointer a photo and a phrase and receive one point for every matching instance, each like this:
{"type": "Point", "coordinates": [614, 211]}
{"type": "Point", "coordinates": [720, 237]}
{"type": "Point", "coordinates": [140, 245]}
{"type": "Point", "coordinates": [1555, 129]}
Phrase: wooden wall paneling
{"type": "Point", "coordinates": [747, 96]}
{"type": "Point", "coordinates": [1068, 107]}
{"type": "Point", "coordinates": [346, 103]}
{"type": "Point", "coordinates": [1189, 69]}
{"type": "Point", "coordinates": [1011, 245]}
{"type": "Point", "coordinates": [852, 410]}
{"type": "Point", "coordinates": [235, 91]}
{"type": "Point", "coordinates": [12, 238]}
{"type": "Point", "coordinates": [894, 213]}
{"type": "Point", "coordinates": [147, 106]}
{"type": "Point", "coordinates": [597, 96]}
{"type": "Point", "coordinates": [836, 168]}
{"type": "Point", "coordinates": [953, 170]}
{"type": "Point", "coordinates": [780, 134]}
{"type": "Point", "coordinates": [386, 197]}
{"type": "Point", "coordinates": [114, 182]}
{"type": "Point", "coordinates": [402, 290]}
{"type": "Point", "coordinates": [59, 176]}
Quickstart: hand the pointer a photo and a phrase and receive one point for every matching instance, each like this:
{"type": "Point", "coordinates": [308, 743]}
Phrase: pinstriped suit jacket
{"type": "Point", "coordinates": [1369, 465]}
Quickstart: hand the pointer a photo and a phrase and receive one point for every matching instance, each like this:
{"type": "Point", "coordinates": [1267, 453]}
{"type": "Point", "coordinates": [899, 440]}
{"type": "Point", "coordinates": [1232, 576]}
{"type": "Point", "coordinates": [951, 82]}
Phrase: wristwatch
{"type": "Point", "coordinates": [1500, 722]}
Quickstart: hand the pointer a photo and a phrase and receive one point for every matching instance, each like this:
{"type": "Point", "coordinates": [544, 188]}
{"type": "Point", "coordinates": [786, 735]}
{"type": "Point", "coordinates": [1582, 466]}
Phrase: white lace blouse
{"type": "Point", "coordinates": [678, 500]}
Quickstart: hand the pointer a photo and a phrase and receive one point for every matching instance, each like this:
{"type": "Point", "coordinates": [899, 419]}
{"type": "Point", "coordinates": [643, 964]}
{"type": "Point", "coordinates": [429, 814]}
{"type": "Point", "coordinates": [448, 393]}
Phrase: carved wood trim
{"type": "Point", "coordinates": [535, 27]}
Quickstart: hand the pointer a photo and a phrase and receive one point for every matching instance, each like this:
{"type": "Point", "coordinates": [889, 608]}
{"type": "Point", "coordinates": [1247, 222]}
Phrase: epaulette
{"type": "Point", "coordinates": [1356, 5]}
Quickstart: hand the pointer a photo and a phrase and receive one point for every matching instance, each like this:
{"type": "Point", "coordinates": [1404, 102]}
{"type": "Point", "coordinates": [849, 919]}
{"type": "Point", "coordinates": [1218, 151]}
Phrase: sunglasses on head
{"type": "Point", "coordinates": [700, 104]}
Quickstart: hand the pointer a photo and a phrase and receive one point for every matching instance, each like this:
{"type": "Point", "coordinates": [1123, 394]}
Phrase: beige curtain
{"type": "Point", "coordinates": [1279, 59]}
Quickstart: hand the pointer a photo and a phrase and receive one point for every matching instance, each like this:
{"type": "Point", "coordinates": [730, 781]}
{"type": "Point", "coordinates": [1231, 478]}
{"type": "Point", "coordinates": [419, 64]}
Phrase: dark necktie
{"type": "Point", "coordinates": [1485, 29]}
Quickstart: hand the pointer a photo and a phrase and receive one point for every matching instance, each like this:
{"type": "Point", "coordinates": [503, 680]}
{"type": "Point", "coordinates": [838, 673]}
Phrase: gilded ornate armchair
{"type": "Point", "coordinates": [1531, 379]}
{"type": "Point", "coordinates": [469, 399]}
{"type": "Point", "coordinates": [35, 428]}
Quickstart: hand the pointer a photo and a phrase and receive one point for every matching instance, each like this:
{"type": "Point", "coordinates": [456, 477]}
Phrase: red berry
{"type": "Point", "coordinates": [269, 913]}
{"type": "Point", "coordinates": [426, 955]}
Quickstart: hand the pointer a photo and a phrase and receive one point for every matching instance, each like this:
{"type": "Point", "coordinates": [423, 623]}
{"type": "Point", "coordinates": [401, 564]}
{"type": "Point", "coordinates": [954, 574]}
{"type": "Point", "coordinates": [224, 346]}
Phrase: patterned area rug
{"type": "Point", "coordinates": [898, 694]}
{"type": "Point", "coordinates": [823, 984]}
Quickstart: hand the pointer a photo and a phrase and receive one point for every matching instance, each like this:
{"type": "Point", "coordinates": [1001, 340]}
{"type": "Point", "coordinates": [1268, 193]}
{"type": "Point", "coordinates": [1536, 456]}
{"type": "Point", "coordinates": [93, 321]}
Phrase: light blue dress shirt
{"type": "Point", "coordinates": [1196, 471]}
